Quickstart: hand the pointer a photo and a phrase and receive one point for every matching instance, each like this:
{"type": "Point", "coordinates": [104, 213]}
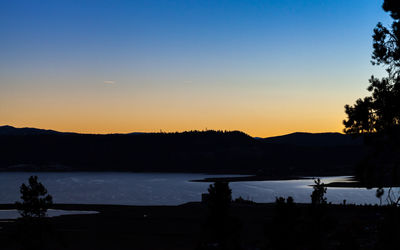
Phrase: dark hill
{"type": "Point", "coordinates": [316, 140]}
{"type": "Point", "coordinates": [9, 130]}
{"type": "Point", "coordinates": [193, 151]}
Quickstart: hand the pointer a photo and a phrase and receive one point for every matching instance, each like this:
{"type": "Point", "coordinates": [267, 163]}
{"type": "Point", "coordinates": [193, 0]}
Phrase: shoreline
{"type": "Point", "coordinates": [251, 178]}
{"type": "Point", "coordinates": [236, 177]}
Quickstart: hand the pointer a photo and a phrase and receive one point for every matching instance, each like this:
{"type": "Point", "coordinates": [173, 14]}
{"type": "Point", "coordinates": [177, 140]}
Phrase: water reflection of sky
{"type": "Point", "coordinates": [300, 190]}
{"type": "Point", "coordinates": [166, 189]}
{"type": "Point", "coordinates": [8, 214]}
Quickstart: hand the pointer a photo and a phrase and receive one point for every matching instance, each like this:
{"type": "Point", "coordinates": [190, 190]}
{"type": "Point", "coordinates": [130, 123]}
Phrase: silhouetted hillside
{"type": "Point", "coordinates": [316, 140]}
{"type": "Point", "coordinates": [194, 151]}
{"type": "Point", "coordinates": [9, 130]}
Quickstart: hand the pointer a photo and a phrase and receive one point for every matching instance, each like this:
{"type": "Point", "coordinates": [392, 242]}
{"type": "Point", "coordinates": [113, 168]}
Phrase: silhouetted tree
{"type": "Point", "coordinates": [221, 231]}
{"type": "Point", "coordinates": [319, 218]}
{"type": "Point", "coordinates": [317, 196]}
{"type": "Point", "coordinates": [380, 112]}
{"type": "Point", "coordinates": [33, 208]}
{"type": "Point", "coordinates": [386, 40]}
{"type": "Point", "coordinates": [220, 198]}
{"type": "Point", "coordinates": [283, 234]}
{"type": "Point", "coordinates": [379, 193]}
{"type": "Point", "coordinates": [35, 200]}
{"type": "Point", "coordinates": [377, 116]}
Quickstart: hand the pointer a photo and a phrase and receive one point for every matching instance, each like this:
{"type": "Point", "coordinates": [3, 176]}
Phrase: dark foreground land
{"type": "Point", "coordinates": [250, 226]}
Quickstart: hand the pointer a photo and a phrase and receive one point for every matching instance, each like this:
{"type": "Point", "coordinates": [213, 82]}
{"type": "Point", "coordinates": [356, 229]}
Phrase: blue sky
{"type": "Point", "coordinates": [264, 67]}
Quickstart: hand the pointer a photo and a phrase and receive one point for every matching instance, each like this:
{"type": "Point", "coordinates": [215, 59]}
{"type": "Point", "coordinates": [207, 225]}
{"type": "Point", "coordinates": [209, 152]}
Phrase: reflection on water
{"type": "Point", "coordinates": [165, 189]}
{"type": "Point", "coordinates": [300, 190]}
{"type": "Point", "coordinates": [13, 214]}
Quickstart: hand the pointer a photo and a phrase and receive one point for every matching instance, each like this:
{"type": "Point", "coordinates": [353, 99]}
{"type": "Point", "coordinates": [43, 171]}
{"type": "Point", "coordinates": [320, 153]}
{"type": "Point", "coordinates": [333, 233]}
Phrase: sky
{"type": "Point", "coordinates": [112, 66]}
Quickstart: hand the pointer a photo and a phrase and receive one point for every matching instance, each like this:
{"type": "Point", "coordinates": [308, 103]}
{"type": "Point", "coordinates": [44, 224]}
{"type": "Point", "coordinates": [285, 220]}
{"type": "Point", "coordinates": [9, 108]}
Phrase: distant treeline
{"type": "Point", "coordinates": [194, 151]}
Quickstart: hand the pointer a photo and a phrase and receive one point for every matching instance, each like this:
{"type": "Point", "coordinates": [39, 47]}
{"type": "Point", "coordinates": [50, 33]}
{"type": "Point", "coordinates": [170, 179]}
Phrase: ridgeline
{"type": "Point", "coordinates": [298, 154]}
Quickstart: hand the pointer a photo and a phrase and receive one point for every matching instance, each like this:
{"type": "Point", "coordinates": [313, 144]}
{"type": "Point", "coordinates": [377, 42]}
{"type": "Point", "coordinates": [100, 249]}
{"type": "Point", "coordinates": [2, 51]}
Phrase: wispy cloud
{"type": "Point", "coordinates": [109, 82]}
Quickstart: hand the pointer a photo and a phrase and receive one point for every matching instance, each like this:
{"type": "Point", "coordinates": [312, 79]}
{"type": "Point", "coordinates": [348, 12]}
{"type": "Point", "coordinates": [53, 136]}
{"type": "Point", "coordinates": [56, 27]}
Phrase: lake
{"type": "Point", "coordinates": [165, 189]}
{"type": "Point", "coordinates": [11, 214]}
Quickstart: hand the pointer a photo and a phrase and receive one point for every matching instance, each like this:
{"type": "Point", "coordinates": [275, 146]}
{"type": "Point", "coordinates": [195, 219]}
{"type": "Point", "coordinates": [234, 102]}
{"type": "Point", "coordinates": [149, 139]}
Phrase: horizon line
{"type": "Point", "coordinates": [170, 132]}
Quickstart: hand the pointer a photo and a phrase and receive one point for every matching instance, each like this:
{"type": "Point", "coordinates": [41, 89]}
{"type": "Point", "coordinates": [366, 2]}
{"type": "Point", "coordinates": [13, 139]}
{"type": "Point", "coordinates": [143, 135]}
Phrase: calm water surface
{"type": "Point", "coordinates": [9, 214]}
{"type": "Point", "coordinates": [164, 189]}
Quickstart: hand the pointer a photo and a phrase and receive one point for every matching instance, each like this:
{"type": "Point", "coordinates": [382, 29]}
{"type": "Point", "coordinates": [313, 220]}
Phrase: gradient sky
{"type": "Point", "coordinates": [263, 67]}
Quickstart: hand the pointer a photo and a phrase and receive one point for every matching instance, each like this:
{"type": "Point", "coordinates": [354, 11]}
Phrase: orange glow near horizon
{"type": "Point", "coordinates": [121, 111]}
{"type": "Point", "coordinates": [254, 131]}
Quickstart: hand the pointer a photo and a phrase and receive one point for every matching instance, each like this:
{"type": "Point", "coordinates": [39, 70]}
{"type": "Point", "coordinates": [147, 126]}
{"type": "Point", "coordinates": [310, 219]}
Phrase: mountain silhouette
{"type": "Point", "coordinates": [192, 151]}
{"type": "Point", "coordinates": [9, 130]}
{"type": "Point", "coordinates": [297, 139]}
{"type": "Point", "coordinates": [315, 139]}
